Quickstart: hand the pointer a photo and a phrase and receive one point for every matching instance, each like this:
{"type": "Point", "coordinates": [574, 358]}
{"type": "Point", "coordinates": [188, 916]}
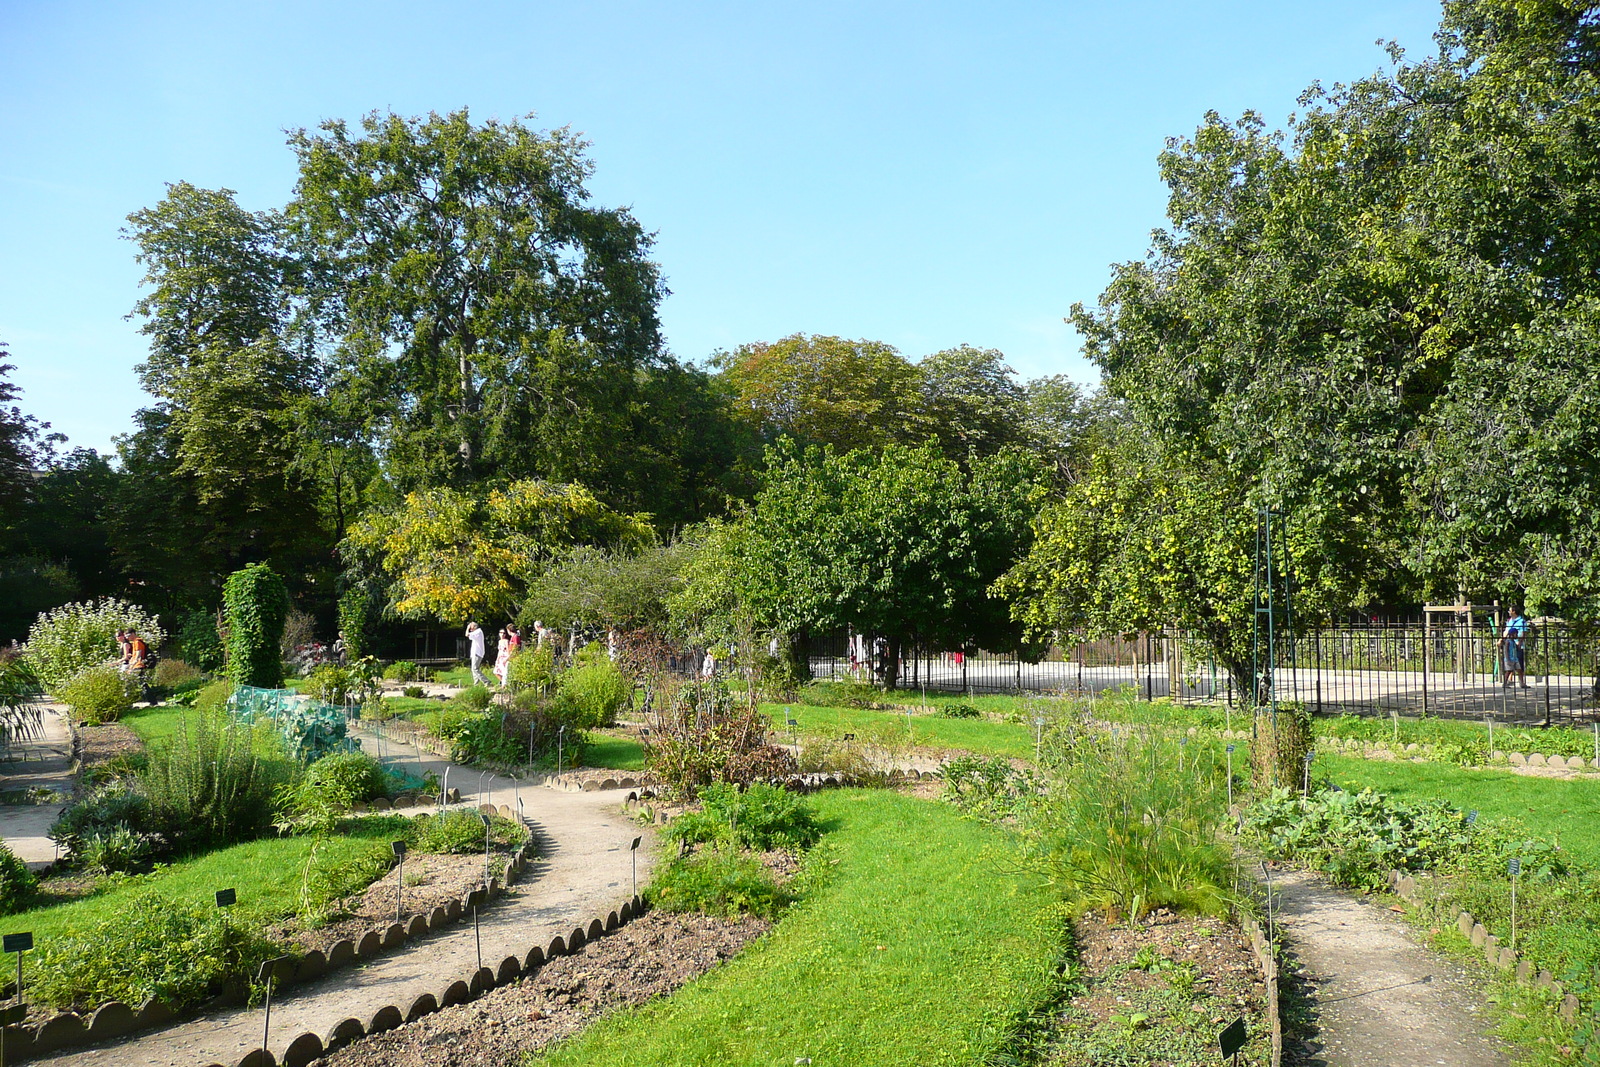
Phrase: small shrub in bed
{"type": "Point", "coordinates": [173, 950]}
{"type": "Point", "coordinates": [717, 882]}
{"type": "Point", "coordinates": [760, 817]}
{"type": "Point", "coordinates": [462, 832]}
{"type": "Point", "coordinates": [17, 883]}
{"type": "Point", "coordinates": [99, 694]}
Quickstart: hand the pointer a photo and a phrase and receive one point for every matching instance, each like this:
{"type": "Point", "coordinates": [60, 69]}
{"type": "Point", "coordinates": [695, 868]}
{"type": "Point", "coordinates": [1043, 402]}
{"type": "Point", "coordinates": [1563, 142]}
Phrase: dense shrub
{"type": "Point", "coordinates": [402, 670]}
{"type": "Point", "coordinates": [717, 882]}
{"type": "Point", "coordinates": [213, 698]}
{"type": "Point", "coordinates": [959, 711]}
{"type": "Point", "coordinates": [172, 673]}
{"type": "Point", "coordinates": [988, 787]}
{"type": "Point", "coordinates": [593, 688]}
{"type": "Point", "coordinates": [200, 643]}
{"type": "Point", "coordinates": [357, 620]}
{"type": "Point", "coordinates": [333, 684]}
{"type": "Point", "coordinates": [760, 817]}
{"type": "Point", "coordinates": [533, 668]}
{"type": "Point", "coordinates": [462, 832]}
{"type": "Point", "coordinates": [74, 637]}
{"type": "Point", "coordinates": [17, 883]}
{"type": "Point", "coordinates": [1357, 839]}
{"type": "Point", "coordinates": [99, 694]}
{"type": "Point", "coordinates": [483, 738]}
{"type": "Point", "coordinates": [156, 947]}
{"type": "Point", "coordinates": [352, 774]}
{"type": "Point", "coordinates": [111, 829]}
{"type": "Point", "coordinates": [699, 736]}
{"type": "Point", "coordinates": [474, 698]}
{"type": "Point", "coordinates": [843, 695]}
{"type": "Point", "coordinates": [209, 785]}
{"type": "Point", "coordinates": [257, 606]}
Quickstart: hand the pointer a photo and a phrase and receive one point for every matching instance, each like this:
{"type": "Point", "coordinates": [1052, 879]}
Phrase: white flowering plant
{"type": "Point", "coordinates": [67, 640]}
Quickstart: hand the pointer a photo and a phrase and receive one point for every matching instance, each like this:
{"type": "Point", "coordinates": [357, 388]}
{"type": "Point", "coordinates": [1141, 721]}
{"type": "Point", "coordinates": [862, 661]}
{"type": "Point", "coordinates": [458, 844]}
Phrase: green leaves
{"type": "Point", "coordinates": [257, 605]}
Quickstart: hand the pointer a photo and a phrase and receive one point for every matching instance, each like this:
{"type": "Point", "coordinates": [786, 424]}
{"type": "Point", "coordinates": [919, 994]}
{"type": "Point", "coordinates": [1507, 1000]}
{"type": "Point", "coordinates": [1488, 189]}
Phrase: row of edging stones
{"type": "Point", "coordinates": [309, 1046]}
{"type": "Point", "coordinates": [115, 1018]}
{"type": "Point", "coordinates": [1516, 759]}
{"type": "Point", "coordinates": [1495, 954]}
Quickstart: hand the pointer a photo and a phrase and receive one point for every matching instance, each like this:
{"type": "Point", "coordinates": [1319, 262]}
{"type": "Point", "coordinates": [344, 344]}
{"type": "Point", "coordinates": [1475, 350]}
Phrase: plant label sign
{"type": "Point", "coordinates": [17, 942]}
{"type": "Point", "coordinates": [1515, 866]}
{"type": "Point", "coordinates": [635, 843]}
{"type": "Point", "coordinates": [399, 848]}
{"type": "Point", "coordinates": [13, 1015]}
{"type": "Point", "coordinates": [1232, 1039]}
{"type": "Point", "coordinates": [1472, 817]}
{"type": "Point", "coordinates": [227, 898]}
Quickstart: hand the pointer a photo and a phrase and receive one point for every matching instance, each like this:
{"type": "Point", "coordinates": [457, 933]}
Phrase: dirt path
{"type": "Point", "coordinates": [1378, 998]}
{"type": "Point", "coordinates": [583, 871]}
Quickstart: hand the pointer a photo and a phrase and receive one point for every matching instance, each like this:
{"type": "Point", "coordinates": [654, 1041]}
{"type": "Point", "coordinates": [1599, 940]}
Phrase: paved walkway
{"type": "Point", "coordinates": [1379, 999]}
{"type": "Point", "coordinates": [582, 872]}
{"type": "Point", "coordinates": [43, 761]}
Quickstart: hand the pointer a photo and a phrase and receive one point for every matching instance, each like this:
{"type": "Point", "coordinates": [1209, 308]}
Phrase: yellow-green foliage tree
{"type": "Point", "coordinates": [455, 554]}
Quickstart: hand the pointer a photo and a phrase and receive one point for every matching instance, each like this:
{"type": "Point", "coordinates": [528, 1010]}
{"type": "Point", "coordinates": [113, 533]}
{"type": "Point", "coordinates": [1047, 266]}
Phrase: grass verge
{"type": "Point", "coordinates": [916, 947]}
{"type": "Point", "coordinates": [154, 724]}
{"type": "Point", "coordinates": [921, 731]}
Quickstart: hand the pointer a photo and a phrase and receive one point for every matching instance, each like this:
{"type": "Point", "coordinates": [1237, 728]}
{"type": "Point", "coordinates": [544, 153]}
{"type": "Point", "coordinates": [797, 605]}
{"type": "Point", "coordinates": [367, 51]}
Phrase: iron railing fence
{"type": "Point", "coordinates": [1365, 669]}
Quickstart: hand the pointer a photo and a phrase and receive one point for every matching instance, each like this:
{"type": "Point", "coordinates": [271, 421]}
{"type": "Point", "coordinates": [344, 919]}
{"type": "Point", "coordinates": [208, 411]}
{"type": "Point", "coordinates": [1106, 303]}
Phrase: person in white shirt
{"type": "Point", "coordinates": [475, 635]}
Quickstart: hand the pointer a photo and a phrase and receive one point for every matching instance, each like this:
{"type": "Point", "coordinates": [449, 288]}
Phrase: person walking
{"type": "Point", "coordinates": [475, 654]}
{"type": "Point", "coordinates": [502, 659]}
{"type": "Point", "coordinates": [1514, 649]}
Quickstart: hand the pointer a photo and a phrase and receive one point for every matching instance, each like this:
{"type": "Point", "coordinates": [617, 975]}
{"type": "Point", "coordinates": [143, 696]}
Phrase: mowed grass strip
{"type": "Point", "coordinates": [154, 724]}
{"type": "Point", "coordinates": [268, 875]}
{"type": "Point", "coordinates": [923, 731]}
{"type": "Point", "coordinates": [613, 753]}
{"type": "Point", "coordinates": [921, 947]}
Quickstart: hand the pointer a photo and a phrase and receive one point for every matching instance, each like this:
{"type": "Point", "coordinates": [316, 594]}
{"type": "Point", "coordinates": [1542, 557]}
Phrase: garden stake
{"type": "Point", "coordinates": [268, 970]}
{"type": "Point", "coordinates": [399, 848]}
{"type": "Point", "coordinates": [1305, 788]}
{"type": "Point", "coordinates": [633, 850]}
{"type": "Point", "coordinates": [1268, 874]}
{"type": "Point", "coordinates": [477, 938]}
{"type": "Point", "coordinates": [1490, 720]}
{"type": "Point", "coordinates": [1597, 744]}
{"type": "Point", "coordinates": [1516, 869]}
{"type": "Point", "coordinates": [485, 817]}
{"type": "Point", "coordinates": [1230, 777]}
{"type": "Point", "coordinates": [560, 735]}
{"type": "Point", "coordinates": [444, 787]}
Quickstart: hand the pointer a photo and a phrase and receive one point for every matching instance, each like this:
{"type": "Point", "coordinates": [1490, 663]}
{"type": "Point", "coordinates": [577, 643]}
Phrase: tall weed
{"type": "Point", "coordinates": [212, 783]}
{"type": "Point", "coordinates": [1129, 821]}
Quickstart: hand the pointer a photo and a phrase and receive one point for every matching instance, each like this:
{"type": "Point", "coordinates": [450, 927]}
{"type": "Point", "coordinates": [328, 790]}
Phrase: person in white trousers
{"type": "Point", "coordinates": [475, 635]}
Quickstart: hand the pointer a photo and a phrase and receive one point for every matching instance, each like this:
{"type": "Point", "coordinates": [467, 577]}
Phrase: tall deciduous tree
{"type": "Point", "coordinates": [490, 317]}
{"type": "Point", "coordinates": [454, 555]}
{"type": "Point", "coordinates": [899, 542]}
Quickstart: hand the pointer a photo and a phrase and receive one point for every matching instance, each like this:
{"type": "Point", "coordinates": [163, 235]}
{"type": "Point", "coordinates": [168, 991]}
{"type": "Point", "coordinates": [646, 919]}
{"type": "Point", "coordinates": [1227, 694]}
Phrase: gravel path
{"type": "Point", "coordinates": [1379, 999]}
{"type": "Point", "coordinates": [583, 871]}
{"type": "Point", "coordinates": [44, 761]}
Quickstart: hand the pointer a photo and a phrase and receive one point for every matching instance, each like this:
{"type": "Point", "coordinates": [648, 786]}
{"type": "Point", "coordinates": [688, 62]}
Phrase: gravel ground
{"type": "Point", "coordinates": [100, 744]}
{"type": "Point", "coordinates": [647, 958]}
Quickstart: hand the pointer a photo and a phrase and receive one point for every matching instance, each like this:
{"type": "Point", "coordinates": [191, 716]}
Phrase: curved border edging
{"type": "Point", "coordinates": [114, 1018]}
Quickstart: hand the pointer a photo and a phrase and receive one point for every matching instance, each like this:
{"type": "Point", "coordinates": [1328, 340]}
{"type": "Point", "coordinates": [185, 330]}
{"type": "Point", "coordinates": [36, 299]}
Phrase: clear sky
{"type": "Point", "coordinates": [926, 174]}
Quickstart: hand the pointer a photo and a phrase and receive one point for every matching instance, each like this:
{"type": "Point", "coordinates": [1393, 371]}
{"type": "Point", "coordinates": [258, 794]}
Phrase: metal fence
{"type": "Point", "coordinates": [1380, 668]}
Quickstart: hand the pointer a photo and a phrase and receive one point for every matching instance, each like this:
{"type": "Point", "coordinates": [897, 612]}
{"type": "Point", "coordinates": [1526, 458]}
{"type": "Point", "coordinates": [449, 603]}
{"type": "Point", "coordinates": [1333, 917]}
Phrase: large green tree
{"type": "Point", "coordinates": [489, 317]}
{"type": "Point", "coordinates": [1382, 322]}
{"type": "Point", "coordinates": [900, 542]}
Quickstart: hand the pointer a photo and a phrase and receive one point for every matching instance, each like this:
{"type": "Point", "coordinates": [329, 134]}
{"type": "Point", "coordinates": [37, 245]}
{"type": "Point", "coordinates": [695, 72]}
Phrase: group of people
{"type": "Point", "coordinates": [135, 653]}
{"type": "Point", "coordinates": [510, 643]}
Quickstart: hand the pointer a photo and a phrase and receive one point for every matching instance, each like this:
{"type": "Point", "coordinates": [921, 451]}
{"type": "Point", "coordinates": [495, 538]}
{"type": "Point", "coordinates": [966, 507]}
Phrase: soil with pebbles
{"type": "Point", "coordinates": [101, 744]}
{"type": "Point", "coordinates": [432, 881]}
{"type": "Point", "coordinates": [1159, 992]}
{"type": "Point", "coordinates": [647, 958]}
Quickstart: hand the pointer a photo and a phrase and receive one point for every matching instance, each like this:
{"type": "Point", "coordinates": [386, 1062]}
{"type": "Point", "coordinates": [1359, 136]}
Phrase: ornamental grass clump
{"type": "Point", "coordinates": [213, 781]}
{"type": "Point", "coordinates": [1130, 821]}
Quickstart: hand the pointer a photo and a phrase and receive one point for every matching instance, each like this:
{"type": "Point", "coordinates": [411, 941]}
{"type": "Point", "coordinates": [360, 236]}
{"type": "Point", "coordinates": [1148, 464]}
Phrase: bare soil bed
{"type": "Point", "coordinates": [1158, 993]}
{"type": "Point", "coordinates": [101, 744]}
{"type": "Point", "coordinates": [649, 957]}
{"type": "Point", "coordinates": [431, 881]}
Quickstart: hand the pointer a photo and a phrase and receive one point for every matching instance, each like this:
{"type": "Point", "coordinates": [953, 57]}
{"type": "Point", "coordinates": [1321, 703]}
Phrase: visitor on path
{"type": "Point", "coordinates": [1514, 649]}
{"type": "Point", "coordinates": [708, 666]}
{"type": "Point", "coordinates": [475, 654]}
{"type": "Point", "coordinates": [124, 649]}
{"type": "Point", "coordinates": [514, 635]}
{"type": "Point", "coordinates": [502, 659]}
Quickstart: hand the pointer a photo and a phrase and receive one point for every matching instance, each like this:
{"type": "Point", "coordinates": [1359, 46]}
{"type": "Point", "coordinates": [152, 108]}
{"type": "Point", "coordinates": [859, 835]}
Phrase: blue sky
{"type": "Point", "coordinates": [926, 174]}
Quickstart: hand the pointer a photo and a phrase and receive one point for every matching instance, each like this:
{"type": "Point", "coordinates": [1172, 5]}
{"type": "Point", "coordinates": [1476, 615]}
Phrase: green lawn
{"type": "Point", "coordinates": [154, 724]}
{"type": "Point", "coordinates": [1560, 809]}
{"type": "Point", "coordinates": [614, 753]}
{"type": "Point", "coordinates": [268, 875]}
{"type": "Point", "coordinates": [922, 947]}
{"type": "Point", "coordinates": [927, 731]}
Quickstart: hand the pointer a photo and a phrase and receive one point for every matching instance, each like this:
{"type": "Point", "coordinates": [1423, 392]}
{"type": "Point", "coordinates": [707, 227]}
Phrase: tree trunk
{"type": "Point", "coordinates": [891, 670]}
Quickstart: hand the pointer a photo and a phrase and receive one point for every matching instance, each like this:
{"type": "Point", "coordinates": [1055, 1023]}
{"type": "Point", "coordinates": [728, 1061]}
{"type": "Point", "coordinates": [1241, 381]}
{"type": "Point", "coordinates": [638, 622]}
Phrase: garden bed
{"type": "Point", "coordinates": [645, 959]}
{"type": "Point", "coordinates": [1158, 992]}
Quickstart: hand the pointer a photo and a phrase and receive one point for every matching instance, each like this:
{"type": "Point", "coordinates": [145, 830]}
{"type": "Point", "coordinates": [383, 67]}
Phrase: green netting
{"type": "Point", "coordinates": [310, 728]}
